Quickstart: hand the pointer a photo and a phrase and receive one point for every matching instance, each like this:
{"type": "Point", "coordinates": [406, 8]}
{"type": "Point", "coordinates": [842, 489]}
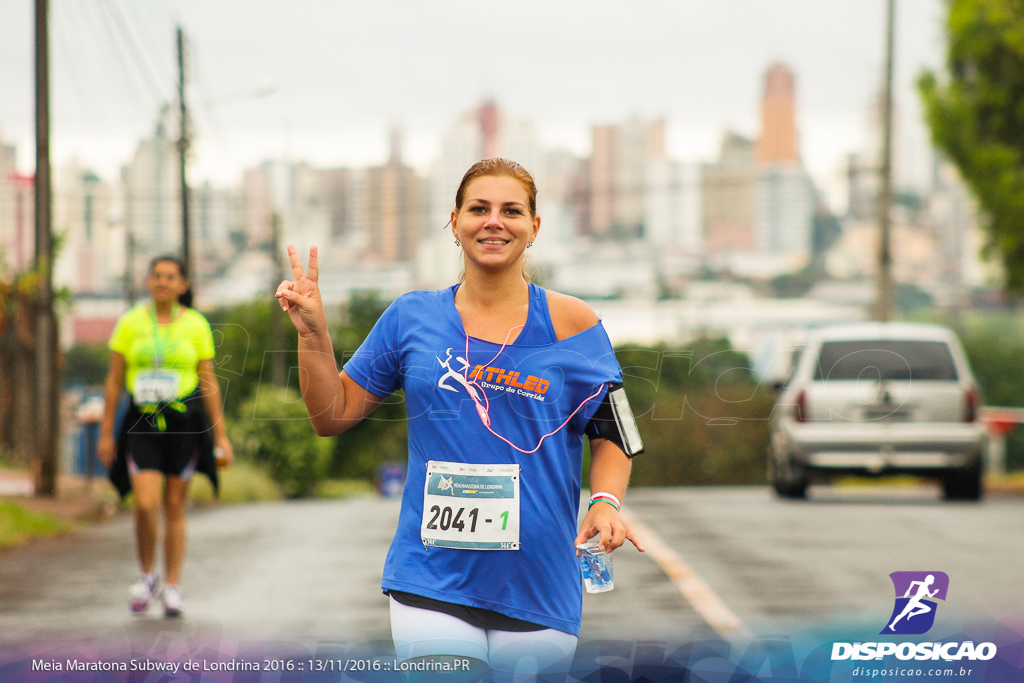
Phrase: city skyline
{"type": "Point", "coordinates": [565, 69]}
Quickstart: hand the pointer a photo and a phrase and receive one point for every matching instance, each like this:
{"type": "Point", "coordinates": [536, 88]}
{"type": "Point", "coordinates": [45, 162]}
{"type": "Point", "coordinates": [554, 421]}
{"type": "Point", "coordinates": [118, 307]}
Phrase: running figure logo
{"type": "Point", "coordinates": [446, 484]}
{"type": "Point", "coordinates": [454, 374]}
{"type": "Point", "coordinates": [916, 592]}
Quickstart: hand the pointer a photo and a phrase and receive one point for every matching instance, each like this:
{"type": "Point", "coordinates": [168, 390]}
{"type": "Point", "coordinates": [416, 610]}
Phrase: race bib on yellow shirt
{"type": "Point", "coordinates": [156, 386]}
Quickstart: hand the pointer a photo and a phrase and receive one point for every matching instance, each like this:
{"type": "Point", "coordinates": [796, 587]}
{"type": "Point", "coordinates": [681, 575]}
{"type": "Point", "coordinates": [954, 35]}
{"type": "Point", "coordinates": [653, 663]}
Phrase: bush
{"type": "Point", "coordinates": [702, 416]}
{"type": "Point", "coordinates": [86, 364]}
{"type": "Point", "coordinates": [273, 429]}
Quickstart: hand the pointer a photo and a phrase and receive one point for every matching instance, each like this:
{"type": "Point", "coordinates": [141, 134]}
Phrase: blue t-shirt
{"type": "Point", "coordinates": [531, 387]}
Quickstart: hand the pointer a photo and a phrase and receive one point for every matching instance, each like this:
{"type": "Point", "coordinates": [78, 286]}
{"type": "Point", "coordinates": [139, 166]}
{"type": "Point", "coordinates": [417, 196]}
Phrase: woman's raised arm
{"type": "Point", "coordinates": [334, 400]}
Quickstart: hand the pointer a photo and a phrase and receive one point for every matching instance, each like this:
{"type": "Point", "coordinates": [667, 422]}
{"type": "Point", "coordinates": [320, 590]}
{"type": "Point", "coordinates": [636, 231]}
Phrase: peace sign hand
{"type": "Point", "coordinates": [300, 298]}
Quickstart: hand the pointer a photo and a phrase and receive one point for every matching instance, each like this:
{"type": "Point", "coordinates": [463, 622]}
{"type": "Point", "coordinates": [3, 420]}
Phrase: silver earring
{"type": "Point", "coordinates": [457, 242]}
{"type": "Point", "coordinates": [529, 244]}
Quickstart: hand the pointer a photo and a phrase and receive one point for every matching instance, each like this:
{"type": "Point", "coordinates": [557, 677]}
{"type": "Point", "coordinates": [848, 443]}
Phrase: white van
{"type": "Point", "coordinates": [879, 398]}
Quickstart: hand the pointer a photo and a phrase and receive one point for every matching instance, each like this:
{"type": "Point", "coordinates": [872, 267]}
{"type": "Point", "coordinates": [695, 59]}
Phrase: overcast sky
{"type": "Point", "coordinates": [345, 72]}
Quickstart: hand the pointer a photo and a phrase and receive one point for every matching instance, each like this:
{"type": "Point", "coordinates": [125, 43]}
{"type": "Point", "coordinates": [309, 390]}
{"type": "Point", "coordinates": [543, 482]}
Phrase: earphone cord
{"type": "Point", "coordinates": [487, 405]}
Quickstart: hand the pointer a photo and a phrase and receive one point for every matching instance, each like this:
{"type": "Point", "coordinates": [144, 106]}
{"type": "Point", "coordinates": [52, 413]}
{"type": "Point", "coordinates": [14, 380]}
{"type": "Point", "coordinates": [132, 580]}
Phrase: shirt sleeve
{"type": "Point", "coordinates": [376, 364]}
{"type": "Point", "coordinates": [204, 339]}
{"type": "Point", "coordinates": [599, 371]}
{"type": "Point", "coordinates": [121, 338]}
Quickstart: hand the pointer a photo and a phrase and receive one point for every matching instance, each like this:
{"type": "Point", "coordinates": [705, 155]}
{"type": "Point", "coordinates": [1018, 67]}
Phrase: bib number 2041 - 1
{"type": "Point", "coordinates": [472, 507]}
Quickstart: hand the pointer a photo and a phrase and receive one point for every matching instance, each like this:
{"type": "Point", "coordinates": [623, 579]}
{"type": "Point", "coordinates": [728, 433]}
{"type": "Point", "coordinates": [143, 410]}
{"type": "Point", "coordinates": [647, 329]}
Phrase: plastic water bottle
{"type": "Point", "coordinates": [596, 566]}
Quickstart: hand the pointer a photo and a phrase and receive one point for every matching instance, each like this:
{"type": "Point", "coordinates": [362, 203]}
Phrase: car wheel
{"type": "Point", "coordinates": [962, 484]}
{"type": "Point", "coordinates": [788, 480]}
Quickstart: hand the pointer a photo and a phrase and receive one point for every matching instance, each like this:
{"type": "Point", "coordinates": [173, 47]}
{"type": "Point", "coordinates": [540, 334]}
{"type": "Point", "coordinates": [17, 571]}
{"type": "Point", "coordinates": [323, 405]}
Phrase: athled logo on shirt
{"type": "Point", "coordinates": [510, 378]}
{"type": "Point", "coordinates": [488, 377]}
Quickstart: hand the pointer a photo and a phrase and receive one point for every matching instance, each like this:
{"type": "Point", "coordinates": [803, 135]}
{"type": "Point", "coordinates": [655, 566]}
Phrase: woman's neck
{"type": "Point", "coordinates": [164, 310]}
{"type": "Point", "coordinates": [482, 290]}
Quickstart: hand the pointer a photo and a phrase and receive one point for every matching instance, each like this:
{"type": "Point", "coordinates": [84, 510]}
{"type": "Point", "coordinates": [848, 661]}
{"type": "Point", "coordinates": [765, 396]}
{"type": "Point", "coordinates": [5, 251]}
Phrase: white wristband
{"type": "Point", "coordinates": [605, 494]}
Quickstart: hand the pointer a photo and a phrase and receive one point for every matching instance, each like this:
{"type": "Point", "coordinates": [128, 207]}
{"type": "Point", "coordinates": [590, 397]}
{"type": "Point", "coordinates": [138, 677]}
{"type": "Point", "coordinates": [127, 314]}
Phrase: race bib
{"type": "Point", "coordinates": [472, 507]}
{"type": "Point", "coordinates": [156, 386]}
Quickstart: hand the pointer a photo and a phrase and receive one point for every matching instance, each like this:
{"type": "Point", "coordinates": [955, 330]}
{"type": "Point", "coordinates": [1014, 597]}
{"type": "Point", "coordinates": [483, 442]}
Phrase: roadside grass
{"type": "Point", "coordinates": [241, 483]}
{"type": "Point", "coordinates": [1009, 482]}
{"type": "Point", "coordinates": [344, 488]}
{"type": "Point", "coordinates": [17, 525]}
{"type": "Point", "coordinates": [245, 482]}
{"type": "Point", "coordinates": [888, 481]}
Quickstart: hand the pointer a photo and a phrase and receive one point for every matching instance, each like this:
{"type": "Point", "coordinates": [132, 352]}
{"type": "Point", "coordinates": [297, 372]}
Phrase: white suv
{"type": "Point", "coordinates": [879, 398]}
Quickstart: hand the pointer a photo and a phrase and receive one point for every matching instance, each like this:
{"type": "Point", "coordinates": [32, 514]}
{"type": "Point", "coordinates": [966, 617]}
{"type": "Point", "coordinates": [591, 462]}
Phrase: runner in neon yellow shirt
{"type": "Point", "coordinates": [162, 353]}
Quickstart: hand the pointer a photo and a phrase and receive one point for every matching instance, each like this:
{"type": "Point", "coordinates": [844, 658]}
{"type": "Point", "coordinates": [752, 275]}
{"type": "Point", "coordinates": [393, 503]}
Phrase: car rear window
{"type": "Point", "coordinates": [885, 359]}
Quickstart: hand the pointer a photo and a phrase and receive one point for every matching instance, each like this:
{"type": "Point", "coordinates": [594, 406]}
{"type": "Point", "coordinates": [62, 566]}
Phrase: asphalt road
{"type": "Point", "coordinates": [306, 574]}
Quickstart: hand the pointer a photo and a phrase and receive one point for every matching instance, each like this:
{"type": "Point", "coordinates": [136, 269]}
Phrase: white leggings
{"type": "Point", "coordinates": [422, 632]}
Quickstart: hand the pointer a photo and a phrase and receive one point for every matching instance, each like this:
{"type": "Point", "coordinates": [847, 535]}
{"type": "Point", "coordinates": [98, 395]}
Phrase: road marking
{"type": "Point", "coordinates": [698, 593]}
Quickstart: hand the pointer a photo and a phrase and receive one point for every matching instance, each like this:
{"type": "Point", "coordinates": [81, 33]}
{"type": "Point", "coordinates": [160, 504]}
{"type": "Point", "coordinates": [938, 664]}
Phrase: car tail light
{"type": "Point", "coordinates": [801, 406]}
{"type": "Point", "coordinates": [971, 401]}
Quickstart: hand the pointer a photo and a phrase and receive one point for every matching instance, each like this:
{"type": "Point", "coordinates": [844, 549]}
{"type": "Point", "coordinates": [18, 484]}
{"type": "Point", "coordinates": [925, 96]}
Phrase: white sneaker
{"type": "Point", "coordinates": [143, 591]}
{"type": "Point", "coordinates": [172, 601]}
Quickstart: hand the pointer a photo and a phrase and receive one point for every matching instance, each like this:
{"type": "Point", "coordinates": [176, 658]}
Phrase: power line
{"type": "Point", "coordinates": [129, 30]}
{"type": "Point", "coordinates": [95, 64]}
{"type": "Point", "coordinates": [121, 43]}
{"type": "Point", "coordinates": [67, 55]}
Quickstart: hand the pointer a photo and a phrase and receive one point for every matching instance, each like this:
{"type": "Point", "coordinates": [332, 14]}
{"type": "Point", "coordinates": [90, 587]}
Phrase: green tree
{"type": "Point", "coordinates": [273, 429]}
{"type": "Point", "coordinates": [242, 334]}
{"type": "Point", "coordinates": [996, 352]}
{"type": "Point", "coordinates": [976, 115]}
{"type": "Point", "coordinates": [793, 285]}
{"type": "Point", "coordinates": [382, 436]}
{"type": "Point", "coordinates": [87, 364]}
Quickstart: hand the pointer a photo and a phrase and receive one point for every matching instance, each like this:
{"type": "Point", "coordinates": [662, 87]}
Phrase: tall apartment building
{"type": "Point", "coordinates": [296, 193]}
{"type": "Point", "coordinates": [17, 202]}
{"type": "Point", "coordinates": [758, 198]}
{"type": "Point", "coordinates": [217, 229]}
{"type": "Point", "coordinates": [307, 218]}
{"type": "Point", "coordinates": [257, 207]}
{"type": "Point", "coordinates": [563, 181]}
{"type": "Point", "coordinates": [338, 187]}
{"type": "Point", "coordinates": [672, 206]}
{"type": "Point", "coordinates": [395, 207]}
{"type": "Point", "coordinates": [728, 186]}
{"type": "Point", "coordinates": [784, 195]}
{"type": "Point", "coordinates": [619, 172]}
{"type": "Point", "coordinates": [152, 208]}
{"type": "Point", "coordinates": [91, 260]}
{"type": "Point", "coordinates": [152, 197]}
{"type": "Point", "coordinates": [778, 141]}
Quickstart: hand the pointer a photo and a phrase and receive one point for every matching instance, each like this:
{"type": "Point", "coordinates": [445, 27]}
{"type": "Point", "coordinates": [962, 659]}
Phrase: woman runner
{"type": "Point", "coordinates": [162, 353]}
{"type": "Point", "coordinates": [502, 379]}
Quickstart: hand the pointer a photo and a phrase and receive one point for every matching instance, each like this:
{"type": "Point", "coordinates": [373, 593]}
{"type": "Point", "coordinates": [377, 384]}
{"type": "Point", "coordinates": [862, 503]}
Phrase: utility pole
{"type": "Point", "coordinates": [47, 377]}
{"type": "Point", "coordinates": [884, 302]}
{"type": "Point", "coordinates": [183, 143]}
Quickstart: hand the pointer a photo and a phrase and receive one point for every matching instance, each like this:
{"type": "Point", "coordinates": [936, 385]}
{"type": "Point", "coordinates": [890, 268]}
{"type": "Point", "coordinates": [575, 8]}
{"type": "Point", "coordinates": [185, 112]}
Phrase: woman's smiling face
{"type": "Point", "coordinates": [495, 223]}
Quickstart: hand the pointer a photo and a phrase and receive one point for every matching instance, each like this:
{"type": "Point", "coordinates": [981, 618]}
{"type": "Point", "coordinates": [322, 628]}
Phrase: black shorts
{"type": "Point", "coordinates": [172, 453]}
{"type": "Point", "coordinates": [474, 616]}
